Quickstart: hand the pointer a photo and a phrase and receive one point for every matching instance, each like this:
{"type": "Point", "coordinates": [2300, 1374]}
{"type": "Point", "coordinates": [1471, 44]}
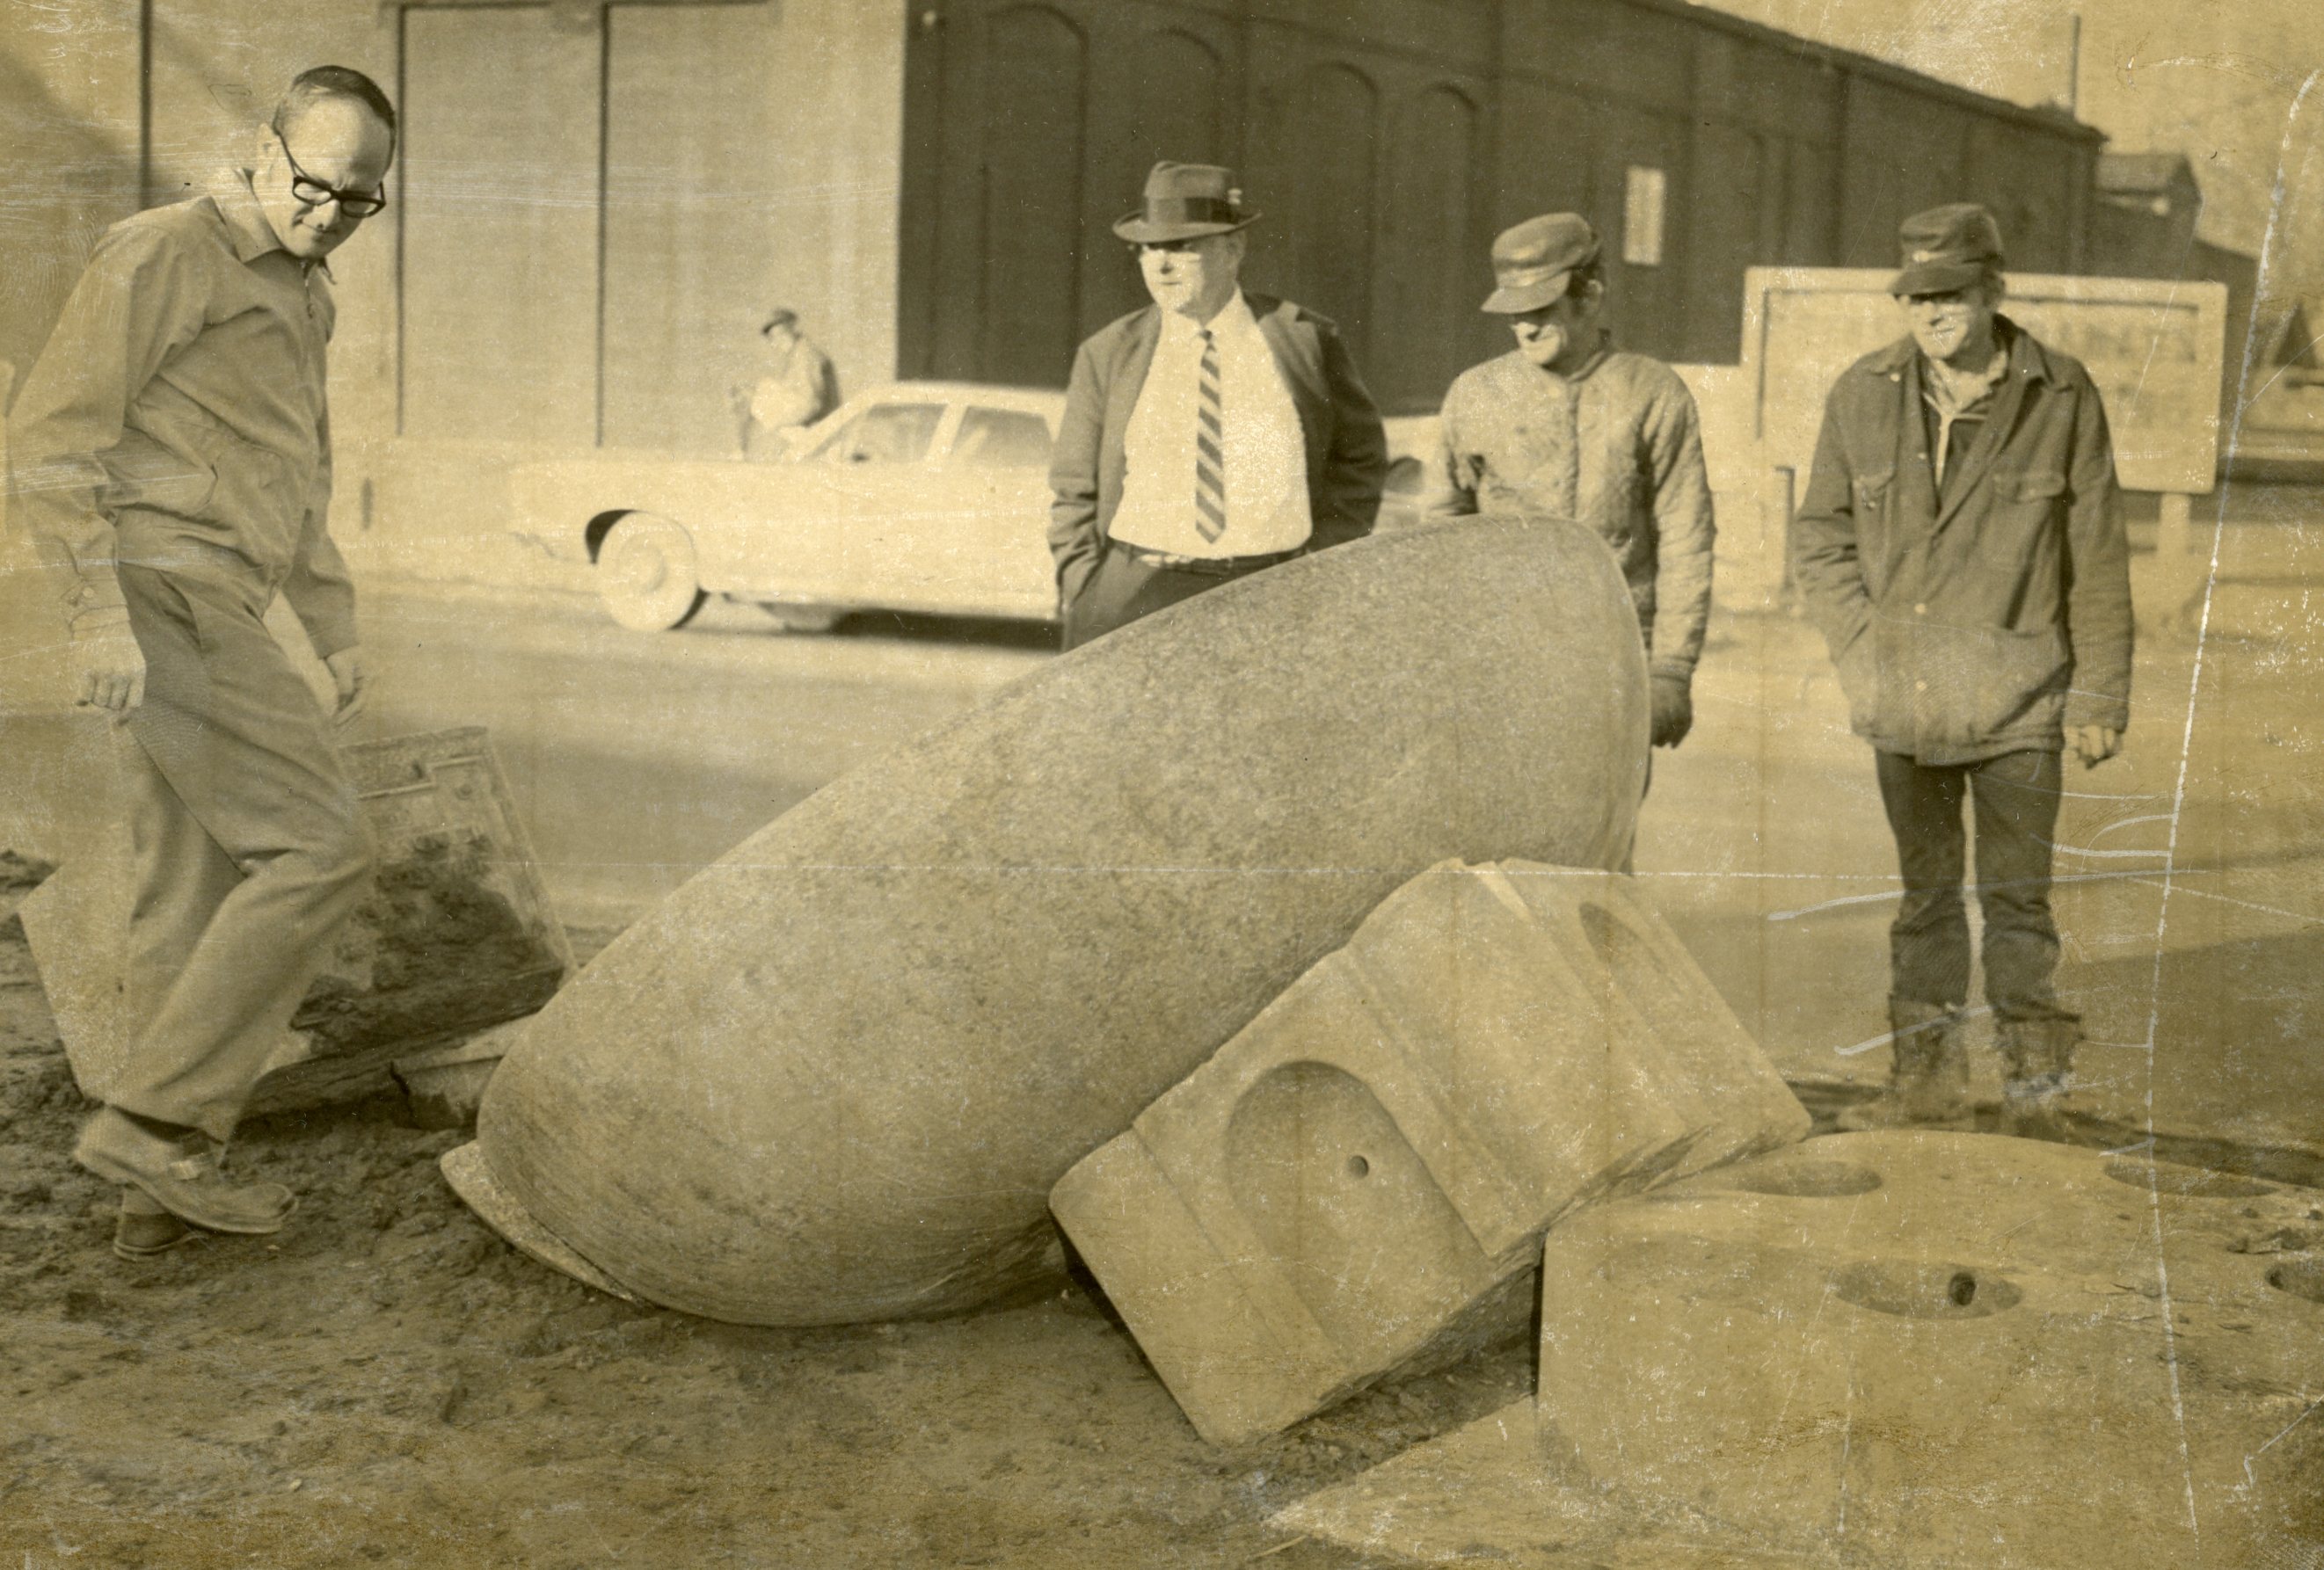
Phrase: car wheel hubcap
{"type": "Point", "coordinates": [641, 569]}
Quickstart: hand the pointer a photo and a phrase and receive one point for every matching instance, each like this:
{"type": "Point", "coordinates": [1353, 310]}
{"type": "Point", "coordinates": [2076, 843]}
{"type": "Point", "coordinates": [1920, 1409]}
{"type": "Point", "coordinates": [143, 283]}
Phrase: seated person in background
{"type": "Point", "coordinates": [796, 386]}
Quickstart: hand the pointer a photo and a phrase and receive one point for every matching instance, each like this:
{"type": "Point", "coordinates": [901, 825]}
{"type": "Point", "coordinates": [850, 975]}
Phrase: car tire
{"type": "Point", "coordinates": [645, 575]}
{"type": "Point", "coordinates": [804, 618]}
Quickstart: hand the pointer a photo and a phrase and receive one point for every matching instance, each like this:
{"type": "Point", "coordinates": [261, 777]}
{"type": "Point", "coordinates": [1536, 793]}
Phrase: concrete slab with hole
{"type": "Point", "coordinates": [1916, 1349]}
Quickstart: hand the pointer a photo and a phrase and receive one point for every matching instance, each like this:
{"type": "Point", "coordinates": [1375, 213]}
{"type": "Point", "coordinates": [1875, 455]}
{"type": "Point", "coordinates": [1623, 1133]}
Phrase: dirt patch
{"type": "Point", "coordinates": [387, 1382]}
{"type": "Point", "coordinates": [439, 952]}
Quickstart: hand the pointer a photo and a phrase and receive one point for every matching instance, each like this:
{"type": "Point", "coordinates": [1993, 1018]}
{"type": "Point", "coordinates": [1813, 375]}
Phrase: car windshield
{"type": "Point", "coordinates": [1001, 438]}
{"type": "Point", "coordinates": [891, 433]}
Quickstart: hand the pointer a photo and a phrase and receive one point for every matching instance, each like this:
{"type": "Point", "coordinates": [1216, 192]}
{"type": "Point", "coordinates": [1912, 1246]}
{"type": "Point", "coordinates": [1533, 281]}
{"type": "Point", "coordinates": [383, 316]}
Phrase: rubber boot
{"type": "Point", "coordinates": [1928, 1073]}
{"type": "Point", "coordinates": [2037, 1061]}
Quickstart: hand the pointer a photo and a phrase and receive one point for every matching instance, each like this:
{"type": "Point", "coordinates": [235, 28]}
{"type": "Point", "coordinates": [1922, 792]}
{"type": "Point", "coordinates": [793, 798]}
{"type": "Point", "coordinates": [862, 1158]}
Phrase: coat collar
{"type": "Point", "coordinates": [247, 229]}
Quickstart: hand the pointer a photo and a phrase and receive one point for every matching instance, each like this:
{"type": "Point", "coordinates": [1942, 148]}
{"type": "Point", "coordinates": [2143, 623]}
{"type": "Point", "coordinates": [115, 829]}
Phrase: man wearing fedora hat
{"type": "Point", "coordinates": [1961, 548]}
{"type": "Point", "coordinates": [1568, 424]}
{"type": "Point", "coordinates": [1209, 435]}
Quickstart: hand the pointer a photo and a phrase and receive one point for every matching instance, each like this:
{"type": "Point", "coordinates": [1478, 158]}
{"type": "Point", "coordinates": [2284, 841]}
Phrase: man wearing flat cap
{"type": "Point", "coordinates": [1961, 548]}
{"type": "Point", "coordinates": [1568, 424]}
{"type": "Point", "coordinates": [1209, 435]}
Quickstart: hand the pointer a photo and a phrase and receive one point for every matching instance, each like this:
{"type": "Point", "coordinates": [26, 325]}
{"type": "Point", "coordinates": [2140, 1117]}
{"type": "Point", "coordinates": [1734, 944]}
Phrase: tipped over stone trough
{"type": "Point", "coordinates": [833, 1077]}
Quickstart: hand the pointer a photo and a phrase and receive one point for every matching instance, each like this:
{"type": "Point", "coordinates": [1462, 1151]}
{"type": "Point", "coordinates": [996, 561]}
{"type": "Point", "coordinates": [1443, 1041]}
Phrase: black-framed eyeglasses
{"type": "Point", "coordinates": [314, 193]}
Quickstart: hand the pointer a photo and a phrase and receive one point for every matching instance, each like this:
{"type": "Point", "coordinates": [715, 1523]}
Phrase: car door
{"type": "Point", "coordinates": [994, 479]}
{"type": "Point", "coordinates": [830, 527]}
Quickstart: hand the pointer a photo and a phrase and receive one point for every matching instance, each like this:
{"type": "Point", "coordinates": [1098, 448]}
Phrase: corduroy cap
{"type": "Point", "coordinates": [1534, 260]}
{"type": "Point", "coordinates": [1947, 248]}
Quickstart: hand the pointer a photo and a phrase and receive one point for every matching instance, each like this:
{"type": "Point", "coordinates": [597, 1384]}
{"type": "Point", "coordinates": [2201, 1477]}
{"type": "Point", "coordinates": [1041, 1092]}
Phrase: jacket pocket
{"type": "Point", "coordinates": [250, 482]}
{"type": "Point", "coordinates": [1858, 669]}
{"type": "Point", "coordinates": [1970, 683]}
{"type": "Point", "coordinates": [2035, 491]}
{"type": "Point", "coordinates": [1871, 489]}
{"type": "Point", "coordinates": [141, 471]}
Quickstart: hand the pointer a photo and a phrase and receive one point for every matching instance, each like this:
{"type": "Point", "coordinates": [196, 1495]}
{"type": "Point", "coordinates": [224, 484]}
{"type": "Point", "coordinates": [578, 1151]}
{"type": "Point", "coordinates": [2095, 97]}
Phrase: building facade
{"type": "Point", "coordinates": [596, 200]}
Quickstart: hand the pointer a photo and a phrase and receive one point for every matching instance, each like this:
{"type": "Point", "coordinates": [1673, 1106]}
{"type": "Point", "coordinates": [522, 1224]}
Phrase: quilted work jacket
{"type": "Point", "coordinates": [1989, 622]}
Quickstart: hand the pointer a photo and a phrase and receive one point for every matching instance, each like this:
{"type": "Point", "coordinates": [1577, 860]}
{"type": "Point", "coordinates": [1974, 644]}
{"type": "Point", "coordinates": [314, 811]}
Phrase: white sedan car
{"type": "Point", "coordinates": [921, 496]}
{"type": "Point", "coordinates": [924, 496]}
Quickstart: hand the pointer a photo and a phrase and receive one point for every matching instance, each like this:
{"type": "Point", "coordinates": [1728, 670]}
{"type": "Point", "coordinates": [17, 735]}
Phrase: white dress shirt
{"type": "Point", "coordinates": [1265, 453]}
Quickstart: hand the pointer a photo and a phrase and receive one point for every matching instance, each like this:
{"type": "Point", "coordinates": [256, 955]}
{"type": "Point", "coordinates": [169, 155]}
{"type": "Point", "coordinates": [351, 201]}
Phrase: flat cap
{"type": "Point", "coordinates": [1947, 248]}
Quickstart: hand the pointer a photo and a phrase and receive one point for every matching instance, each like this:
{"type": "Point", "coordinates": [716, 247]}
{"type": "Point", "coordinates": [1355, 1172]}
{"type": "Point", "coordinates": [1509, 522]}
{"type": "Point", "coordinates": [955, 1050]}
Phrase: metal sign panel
{"type": "Point", "coordinates": [2154, 348]}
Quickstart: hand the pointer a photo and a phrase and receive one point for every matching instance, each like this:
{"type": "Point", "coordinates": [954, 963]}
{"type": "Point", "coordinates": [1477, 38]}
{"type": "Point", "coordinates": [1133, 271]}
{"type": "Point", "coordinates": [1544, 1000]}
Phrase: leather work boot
{"type": "Point", "coordinates": [144, 1229]}
{"type": "Point", "coordinates": [2037, 1061]}
{"type": "Point", "coordinates": [1928, 1073]}
{"type": "Point", "coordinates": [180, 1175]}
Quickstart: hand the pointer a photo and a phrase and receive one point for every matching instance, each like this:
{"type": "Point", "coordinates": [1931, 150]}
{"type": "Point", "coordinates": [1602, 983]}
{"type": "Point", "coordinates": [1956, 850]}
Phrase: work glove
{"type": "Point", "coordinates": [1673, 710]}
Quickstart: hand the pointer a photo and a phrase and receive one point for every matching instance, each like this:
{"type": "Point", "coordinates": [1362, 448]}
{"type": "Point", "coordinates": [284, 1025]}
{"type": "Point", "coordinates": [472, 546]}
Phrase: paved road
{"type": "Point", "coordinates": [2192, 870]}
{"type": "Point", "coordinates": [637, 758]}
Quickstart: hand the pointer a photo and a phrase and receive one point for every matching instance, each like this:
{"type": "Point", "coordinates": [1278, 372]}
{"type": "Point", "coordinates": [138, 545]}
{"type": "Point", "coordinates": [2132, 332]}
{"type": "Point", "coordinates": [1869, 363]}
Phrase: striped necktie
{"type": "Point", "coordinates": [1210, 447]}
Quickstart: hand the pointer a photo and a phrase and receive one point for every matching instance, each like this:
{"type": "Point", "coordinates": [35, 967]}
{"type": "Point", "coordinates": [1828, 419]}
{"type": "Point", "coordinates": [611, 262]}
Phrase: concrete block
{"type": "Point", "coordinates": [456, 935]}
{"type": "Point", "coordinates": [444, 1087]}
{"type": "Point", "coordinates": [834, 1077]}
{"type": "Point", "coordinates": [1943, 1349]}
{"type": "Point", "coordinates": [1358, 1179]}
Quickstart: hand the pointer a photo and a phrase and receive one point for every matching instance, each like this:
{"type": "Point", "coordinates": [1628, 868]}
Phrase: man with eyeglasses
{"type": "Point", "coordinates": [1961, 546]}
{"type": "Point", "coordinates": [171, 457]}
{"type": "Point", "coordinates": [1208, 435]}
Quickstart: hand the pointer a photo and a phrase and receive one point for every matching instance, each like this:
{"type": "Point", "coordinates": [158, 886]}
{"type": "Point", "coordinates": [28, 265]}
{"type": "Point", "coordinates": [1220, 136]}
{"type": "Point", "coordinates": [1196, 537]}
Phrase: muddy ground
{"type": "Point", "coordinates": [389, 1383]}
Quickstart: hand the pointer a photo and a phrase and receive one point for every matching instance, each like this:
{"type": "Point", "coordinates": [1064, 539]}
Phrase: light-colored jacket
{"type": "Point", "coordinates": [179, 407]}
{"type": "Point", "coordinates": [1615, 445]}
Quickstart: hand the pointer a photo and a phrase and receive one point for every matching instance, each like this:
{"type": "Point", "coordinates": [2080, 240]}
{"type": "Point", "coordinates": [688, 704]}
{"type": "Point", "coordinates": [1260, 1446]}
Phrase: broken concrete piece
{"type": "Point", "coordinates": [2242, 1344]}
{"type": "Point", "coordinates": [835, 1075]}
{"type": "Point", "coordinates": [1941, 1349]}
{"type": "Point", "coordinates": [444, 1087]}
{"type": "Point", "coordinates": [456, 935]}
{"type": "Point", "coordinates": [1359, 1180]}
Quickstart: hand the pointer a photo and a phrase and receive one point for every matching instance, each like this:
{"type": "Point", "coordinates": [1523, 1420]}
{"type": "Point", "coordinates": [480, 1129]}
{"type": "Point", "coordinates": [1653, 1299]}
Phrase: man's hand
{"type": "Point", "coordinates": [108, 668]}
{"type": "Point", "coordinates": [1673, 711]}
{"type": "Point", "coordinates": [2093, 744]}
{"type": "Point", "coordinates": [351, 676]}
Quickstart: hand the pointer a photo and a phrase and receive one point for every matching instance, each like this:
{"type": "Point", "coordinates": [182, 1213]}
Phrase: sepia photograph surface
{"type": "Point", "coordinates": [1162, 783]}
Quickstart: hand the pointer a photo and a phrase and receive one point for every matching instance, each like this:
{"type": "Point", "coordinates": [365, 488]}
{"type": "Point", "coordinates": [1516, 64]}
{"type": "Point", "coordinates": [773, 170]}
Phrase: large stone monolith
{"type": "Point", "coordinates": [834, 1076]}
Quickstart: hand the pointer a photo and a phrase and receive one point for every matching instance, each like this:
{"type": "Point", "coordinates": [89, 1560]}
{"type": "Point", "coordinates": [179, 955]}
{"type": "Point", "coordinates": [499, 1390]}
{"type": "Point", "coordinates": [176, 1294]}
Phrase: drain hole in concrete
{"type": "Point", "coordinates": [1359, 1168]}
{"type": "Point", "coordinates": [2186, 1182]}
{"type": "Point", "coordinates": [1807, 1179]}
{"type": "Point", "coordinates": [2303, 1278]}
{"type": "Point", "coordinates": [1915, 1290]}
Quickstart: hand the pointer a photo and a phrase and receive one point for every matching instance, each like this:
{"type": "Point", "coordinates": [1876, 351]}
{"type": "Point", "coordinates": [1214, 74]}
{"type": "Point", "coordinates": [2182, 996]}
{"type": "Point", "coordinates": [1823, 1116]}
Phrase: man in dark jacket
{"type": "Point", "coordinates": [1211, 434]}
{"type": "Point", "coordinates": [1961, 548]}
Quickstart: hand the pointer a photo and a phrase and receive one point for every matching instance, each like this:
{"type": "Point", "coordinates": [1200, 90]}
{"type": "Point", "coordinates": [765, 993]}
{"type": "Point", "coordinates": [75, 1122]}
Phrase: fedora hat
{"type": "Point", "coordinates": [1947, 248]}
{"type": "Point", "coordinates": [1186, 201]}
{"type": "Point", "coordinates": [1533, 261]}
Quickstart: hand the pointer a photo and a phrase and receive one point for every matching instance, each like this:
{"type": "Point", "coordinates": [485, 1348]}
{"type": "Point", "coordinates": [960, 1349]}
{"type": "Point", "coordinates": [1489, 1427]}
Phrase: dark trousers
{"type": "Point", "coordinates": [2015, 798]}
{"type": "Point", "coordinates": [1124, 587]}
{"type": "Point", "coordinates": [251, 849]}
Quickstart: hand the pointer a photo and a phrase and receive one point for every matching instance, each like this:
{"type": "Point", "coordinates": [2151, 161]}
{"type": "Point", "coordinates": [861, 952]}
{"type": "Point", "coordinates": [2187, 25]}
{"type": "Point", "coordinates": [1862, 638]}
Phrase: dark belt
{"type": "Point", "coordinates": [1206, 566]}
